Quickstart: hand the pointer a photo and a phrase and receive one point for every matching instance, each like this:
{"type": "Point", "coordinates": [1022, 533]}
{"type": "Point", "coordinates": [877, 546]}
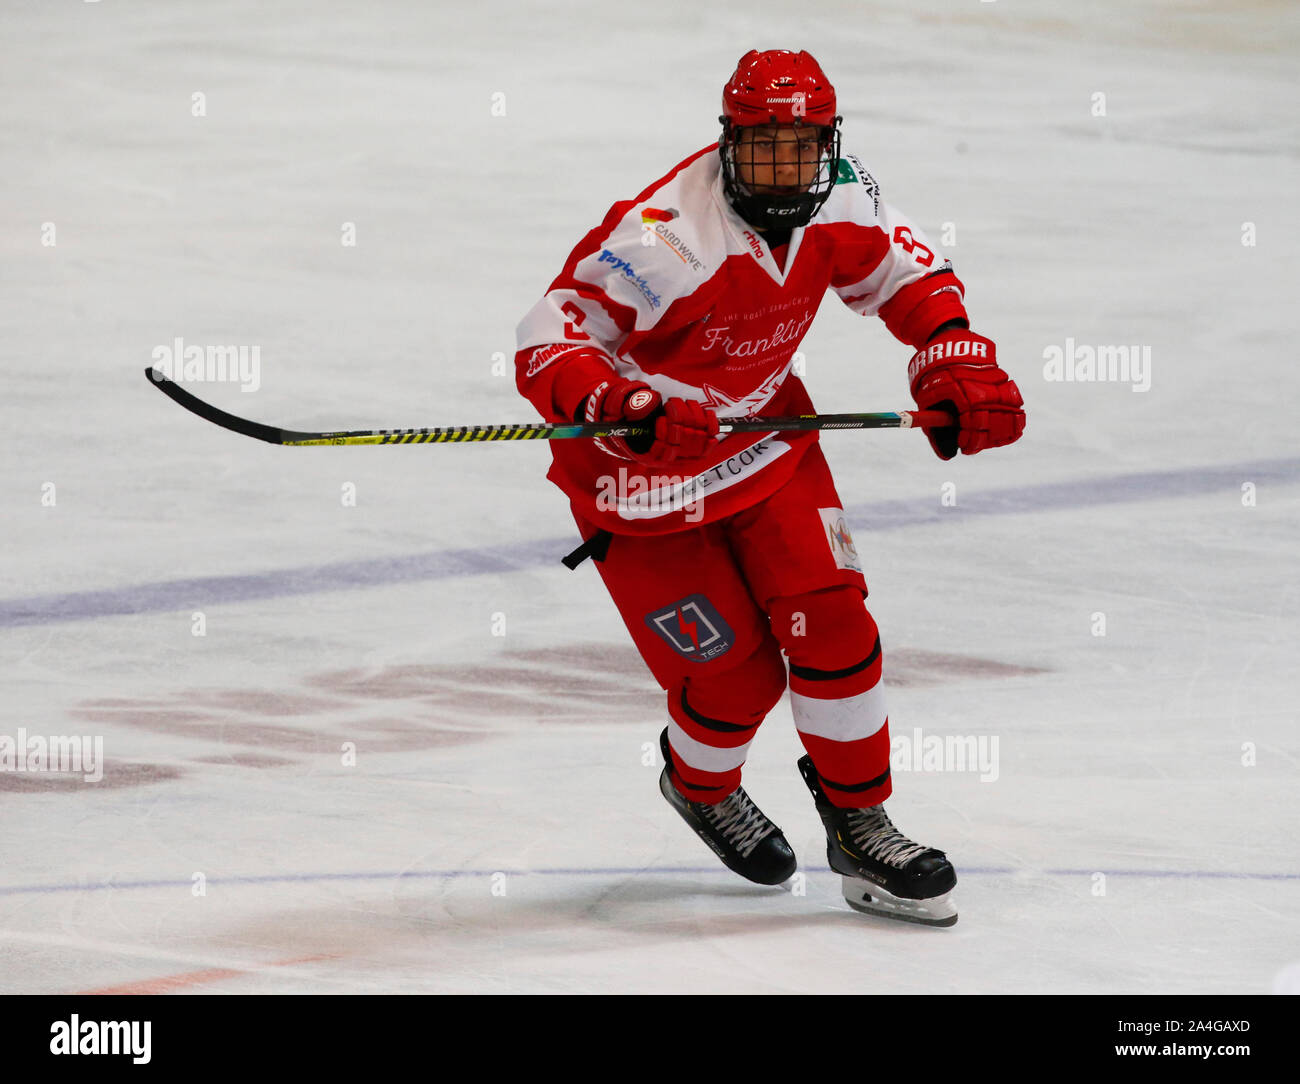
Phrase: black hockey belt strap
{"type": "Point", "coordinates": [595, 547]}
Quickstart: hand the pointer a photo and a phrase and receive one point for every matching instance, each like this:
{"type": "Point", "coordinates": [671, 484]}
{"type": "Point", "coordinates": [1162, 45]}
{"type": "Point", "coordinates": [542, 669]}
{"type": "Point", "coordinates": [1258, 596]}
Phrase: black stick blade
{"type": "Point", "coordinates": [208, 412]}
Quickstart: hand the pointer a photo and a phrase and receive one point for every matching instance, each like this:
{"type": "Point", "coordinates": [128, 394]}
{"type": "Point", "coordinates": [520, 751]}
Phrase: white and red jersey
{"type": "Point", "coordinates": [675, 289]}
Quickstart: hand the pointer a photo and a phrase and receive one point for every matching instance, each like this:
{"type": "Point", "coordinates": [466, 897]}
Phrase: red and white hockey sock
{"type": "Point", "coordinates": [714, 719]}
{"type": "Point", "coordinates": [836, 692]}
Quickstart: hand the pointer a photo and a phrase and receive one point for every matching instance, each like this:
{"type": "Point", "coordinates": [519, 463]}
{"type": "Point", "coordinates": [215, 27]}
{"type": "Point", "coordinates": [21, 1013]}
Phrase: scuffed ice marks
{"type": "Point", "coordinates": [410, 708]}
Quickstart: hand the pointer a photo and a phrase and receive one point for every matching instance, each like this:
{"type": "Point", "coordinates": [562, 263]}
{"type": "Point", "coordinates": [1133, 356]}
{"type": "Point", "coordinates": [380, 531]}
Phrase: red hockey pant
{"type": "Point", "coordinates": [713, 609]}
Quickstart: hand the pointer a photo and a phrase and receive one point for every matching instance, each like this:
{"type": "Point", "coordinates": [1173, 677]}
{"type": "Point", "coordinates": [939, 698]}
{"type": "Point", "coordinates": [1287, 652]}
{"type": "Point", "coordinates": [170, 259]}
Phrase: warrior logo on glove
{"type": "Point", "coordinates": [958, 372]}
{"type": "Point", "coordinates": [679, 428]}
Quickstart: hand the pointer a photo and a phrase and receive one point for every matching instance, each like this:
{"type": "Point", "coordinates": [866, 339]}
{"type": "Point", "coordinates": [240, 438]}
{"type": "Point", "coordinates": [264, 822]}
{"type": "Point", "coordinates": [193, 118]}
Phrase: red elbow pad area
{"type": "Point", "coordinates": [558, 389]}
{"type": "Point", "coordinates": [917, 309]}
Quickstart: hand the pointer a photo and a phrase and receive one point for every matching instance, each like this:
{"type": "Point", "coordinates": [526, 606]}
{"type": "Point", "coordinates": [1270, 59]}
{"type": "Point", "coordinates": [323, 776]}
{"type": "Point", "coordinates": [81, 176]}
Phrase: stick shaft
{"type": "Point", "coordinates": [527, 430]}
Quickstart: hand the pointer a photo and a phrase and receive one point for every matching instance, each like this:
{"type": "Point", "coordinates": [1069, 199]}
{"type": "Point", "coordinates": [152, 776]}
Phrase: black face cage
{"type": "Point", "coordinates": [771, 210]}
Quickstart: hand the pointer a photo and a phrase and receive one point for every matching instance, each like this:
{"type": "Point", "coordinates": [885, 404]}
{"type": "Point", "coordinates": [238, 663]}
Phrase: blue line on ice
{"type": "Point", "coordinates": [204, 591]}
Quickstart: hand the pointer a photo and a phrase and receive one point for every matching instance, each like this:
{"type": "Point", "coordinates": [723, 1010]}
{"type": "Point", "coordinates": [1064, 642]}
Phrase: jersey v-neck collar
{"type": "Point", "coordinates": [758, 248]}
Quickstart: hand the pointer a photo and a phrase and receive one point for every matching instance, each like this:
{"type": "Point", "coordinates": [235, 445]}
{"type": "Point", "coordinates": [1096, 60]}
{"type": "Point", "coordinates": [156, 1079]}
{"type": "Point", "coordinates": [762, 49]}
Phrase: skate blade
{"type": "Point", "coordinates": [872, 900]}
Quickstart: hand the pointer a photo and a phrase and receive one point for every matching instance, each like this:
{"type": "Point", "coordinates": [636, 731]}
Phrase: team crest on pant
{"type": "Point", "coordinates": [693, 628]}
{"type": "Point", "coordinates": [839, 539]}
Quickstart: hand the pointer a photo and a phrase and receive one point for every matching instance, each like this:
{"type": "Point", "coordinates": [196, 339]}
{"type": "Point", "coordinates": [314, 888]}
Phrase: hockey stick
{"type": "Point", "coordinates": [903, 419]}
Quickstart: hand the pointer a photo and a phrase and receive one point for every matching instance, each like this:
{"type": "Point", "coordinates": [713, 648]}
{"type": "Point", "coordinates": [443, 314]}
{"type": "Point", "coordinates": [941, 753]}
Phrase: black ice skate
{"type": "Point", "coordinates": [884, 872]}
{"type": "Point", "coordinates": [735, 830]}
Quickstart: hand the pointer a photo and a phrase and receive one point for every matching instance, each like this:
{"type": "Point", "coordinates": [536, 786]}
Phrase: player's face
{"type": "Point", "coordinates": [778, 159]}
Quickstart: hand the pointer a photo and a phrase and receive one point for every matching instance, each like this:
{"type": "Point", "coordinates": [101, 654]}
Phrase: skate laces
{"type": "Point", "coordinates": [739, 820]}
{"type": "Point", "coordinates": [875, 835]}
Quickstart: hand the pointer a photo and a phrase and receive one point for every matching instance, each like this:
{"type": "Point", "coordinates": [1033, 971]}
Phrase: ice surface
{"type": "Point", "coordinates": [501, 829]}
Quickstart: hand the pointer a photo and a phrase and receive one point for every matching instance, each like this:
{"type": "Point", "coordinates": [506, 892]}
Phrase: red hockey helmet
{"type": "Point", "coordinates": [778, 89]}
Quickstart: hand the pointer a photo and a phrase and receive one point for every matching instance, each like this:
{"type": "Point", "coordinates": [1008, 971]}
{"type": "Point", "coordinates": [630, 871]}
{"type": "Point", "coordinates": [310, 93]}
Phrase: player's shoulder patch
{"type": "Point", "coordinates": [651, 258]}
{"type": "Point", "coordinates": [672, 222]}
{"type": "Point", "coordinates": [662, 247]}
{"type": "Point", "coordinates": [852, 171]}
{"type": "Point", "coordinates": [622, 265]}
{"type": "Point", "coordinates": [664, 226]}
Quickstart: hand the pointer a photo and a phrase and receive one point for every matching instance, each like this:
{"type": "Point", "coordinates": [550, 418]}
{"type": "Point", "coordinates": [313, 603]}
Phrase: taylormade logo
{"type": "Point", "coordinates": [240, 365]}
{"type": "Point", "coordinates": [630, 273]}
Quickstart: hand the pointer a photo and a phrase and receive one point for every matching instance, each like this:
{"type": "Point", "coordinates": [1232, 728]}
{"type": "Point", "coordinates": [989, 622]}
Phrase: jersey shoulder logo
{"type": "Point", "coordinates": [852, 171]}
{"type": "Point", "coordinates": [656, 230]}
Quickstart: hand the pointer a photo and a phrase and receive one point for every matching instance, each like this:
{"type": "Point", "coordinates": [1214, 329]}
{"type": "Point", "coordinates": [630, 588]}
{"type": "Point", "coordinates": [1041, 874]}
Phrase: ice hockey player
{"type": "Point", "coordinates": [686, 305]}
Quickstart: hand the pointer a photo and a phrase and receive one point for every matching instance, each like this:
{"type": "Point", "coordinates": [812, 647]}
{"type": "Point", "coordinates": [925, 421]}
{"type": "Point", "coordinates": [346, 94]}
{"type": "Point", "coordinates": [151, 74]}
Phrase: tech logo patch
{"type": "Point", "coordinates": [839, 539]}
{"type": "Point", "coordinates": [693, 628]}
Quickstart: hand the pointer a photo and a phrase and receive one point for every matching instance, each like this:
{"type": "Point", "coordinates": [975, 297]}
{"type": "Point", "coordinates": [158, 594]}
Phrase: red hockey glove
{"type": "Point", "coordinates": [683, 428]}
{"type": "Point", "coordinates": [958, 372]}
